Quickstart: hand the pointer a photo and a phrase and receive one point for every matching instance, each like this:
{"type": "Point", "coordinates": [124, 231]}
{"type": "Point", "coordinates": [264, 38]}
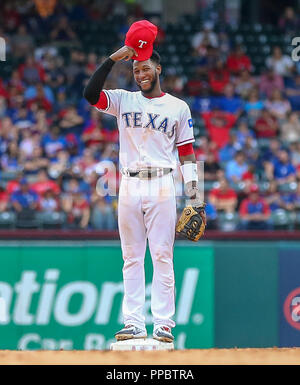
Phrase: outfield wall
{"type": "Point", "coordinates": [68, 295]}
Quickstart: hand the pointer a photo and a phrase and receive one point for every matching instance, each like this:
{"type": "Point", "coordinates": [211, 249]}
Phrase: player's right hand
{"type": "Point", "coordinates": [125, 53]}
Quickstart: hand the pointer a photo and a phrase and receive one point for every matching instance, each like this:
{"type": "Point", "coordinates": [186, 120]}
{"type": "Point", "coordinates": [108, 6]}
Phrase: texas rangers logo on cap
{"type": "Point", "coordinates": [141, 36]}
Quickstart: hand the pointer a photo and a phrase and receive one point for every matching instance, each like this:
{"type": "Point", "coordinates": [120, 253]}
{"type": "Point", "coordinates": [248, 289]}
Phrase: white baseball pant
{"type": "Point", "coordinates": [147, 210]}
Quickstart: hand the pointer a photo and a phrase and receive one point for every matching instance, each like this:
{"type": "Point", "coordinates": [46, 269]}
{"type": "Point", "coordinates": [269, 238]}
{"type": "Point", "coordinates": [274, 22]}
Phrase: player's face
{"type": "Point", "coordinates": [146, 75]}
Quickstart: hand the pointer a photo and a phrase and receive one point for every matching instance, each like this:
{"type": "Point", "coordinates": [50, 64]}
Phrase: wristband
{"type": "Point", "coordinates": [189, 172]}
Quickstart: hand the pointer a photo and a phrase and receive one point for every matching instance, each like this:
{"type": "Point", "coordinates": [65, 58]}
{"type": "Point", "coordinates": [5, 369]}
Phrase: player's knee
{"type": "Point", "coordinates": [132, 256]}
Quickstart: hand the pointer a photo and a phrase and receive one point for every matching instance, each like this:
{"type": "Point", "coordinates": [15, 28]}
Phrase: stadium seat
{"type": "Point", "coordinates": [287, 187]}
{"type": "Point", "coordinates": [7, 220]}
{"type": "Point", "coordinates": [280, 219]}
{"type": "Point", "coordinates": [297, 221]}
{"type": "Point", "coordinates": [263, 186]}
{"type": "Point", "coordinates": [228, 221]}
{"type": "Point", "coordinates": [51, 220]}
{"type": "Point", "coordinates": [209, 185]}
{"type": "Point", "coordinates": [8, 175]}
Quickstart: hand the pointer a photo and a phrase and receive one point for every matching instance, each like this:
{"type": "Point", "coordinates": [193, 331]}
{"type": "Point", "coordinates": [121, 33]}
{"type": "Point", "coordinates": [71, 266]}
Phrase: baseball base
{"type": "Point", "coordinates": [141, 344]}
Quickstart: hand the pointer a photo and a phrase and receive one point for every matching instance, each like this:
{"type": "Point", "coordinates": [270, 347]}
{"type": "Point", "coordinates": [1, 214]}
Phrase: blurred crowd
{"type": "Point", "coordinates": [54, 147]}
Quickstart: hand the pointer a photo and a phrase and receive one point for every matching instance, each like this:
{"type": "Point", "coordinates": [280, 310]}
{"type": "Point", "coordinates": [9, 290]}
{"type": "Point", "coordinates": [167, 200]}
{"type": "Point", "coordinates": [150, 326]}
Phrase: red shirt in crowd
{"type": "Point", "coordinates": [41, 187]}
{"type": "Point", "coordinates": [237, 63]}
{"type": "Point", "coordinates": [223, 194]}
{"type": "Point", "coordinates": [12, 186]}
{"type": "Point", "coordinates": [4, 196]}
{"type": "Point", "coordinates": [265, 127]}
{"type": "Point", "coordinates": [219, 124]}
{"type": "Point", "coordinates": [218, 79]}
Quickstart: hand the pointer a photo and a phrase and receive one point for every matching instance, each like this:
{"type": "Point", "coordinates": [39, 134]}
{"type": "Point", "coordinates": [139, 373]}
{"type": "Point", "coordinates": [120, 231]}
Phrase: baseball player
{"type": "Point", "coordinates": [153, 126]}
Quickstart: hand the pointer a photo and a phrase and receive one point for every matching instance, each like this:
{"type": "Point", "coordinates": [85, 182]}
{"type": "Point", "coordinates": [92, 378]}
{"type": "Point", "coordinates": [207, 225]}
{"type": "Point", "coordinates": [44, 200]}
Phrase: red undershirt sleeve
{"type": "Point", "coordinates": [102, 103]}
{"type": "Point", "coordinates": [185, 149]}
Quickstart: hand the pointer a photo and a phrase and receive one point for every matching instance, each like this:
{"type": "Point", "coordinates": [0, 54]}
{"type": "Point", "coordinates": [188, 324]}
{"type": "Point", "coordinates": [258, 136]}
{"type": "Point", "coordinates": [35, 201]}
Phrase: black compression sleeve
{"type": "Point", "coordinates": [95, 84]}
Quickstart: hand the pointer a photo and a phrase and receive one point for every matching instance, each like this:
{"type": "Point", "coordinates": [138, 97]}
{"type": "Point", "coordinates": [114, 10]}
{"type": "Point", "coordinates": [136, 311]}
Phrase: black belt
{"type": "Point", "coordinates": [148, 174]}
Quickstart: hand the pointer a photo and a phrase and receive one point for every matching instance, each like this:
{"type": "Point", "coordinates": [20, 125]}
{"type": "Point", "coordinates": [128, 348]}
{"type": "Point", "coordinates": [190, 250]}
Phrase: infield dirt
{"type": "Point", "coordinates": [270, 356]}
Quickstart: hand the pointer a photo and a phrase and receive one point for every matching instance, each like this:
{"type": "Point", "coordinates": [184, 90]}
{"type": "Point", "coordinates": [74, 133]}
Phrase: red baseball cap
{"type": "Point", "coordinates": [141, 36]}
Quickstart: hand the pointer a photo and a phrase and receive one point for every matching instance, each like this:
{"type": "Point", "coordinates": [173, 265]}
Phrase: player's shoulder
{"type": "Point", "coordinates": [180, 103]}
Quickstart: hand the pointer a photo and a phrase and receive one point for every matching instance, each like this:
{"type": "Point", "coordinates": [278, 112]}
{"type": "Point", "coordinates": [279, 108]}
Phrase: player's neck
{"type": "Point", "coordinates": [155, 93]}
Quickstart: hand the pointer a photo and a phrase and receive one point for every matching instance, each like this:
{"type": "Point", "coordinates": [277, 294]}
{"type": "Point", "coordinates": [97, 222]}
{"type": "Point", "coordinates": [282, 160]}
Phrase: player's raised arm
{"type": "Point", "coordinates": [92, 91]}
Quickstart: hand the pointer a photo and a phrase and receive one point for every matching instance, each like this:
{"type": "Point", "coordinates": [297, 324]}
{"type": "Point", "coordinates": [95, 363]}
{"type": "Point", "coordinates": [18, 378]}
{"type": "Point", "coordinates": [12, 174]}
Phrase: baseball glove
{"type": "Point", "coordinates": [190, 224]}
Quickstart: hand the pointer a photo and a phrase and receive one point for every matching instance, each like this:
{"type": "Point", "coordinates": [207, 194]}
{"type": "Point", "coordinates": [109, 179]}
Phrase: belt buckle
{"type": "Point", "coordinates": [125, 171]}
{"type": "Point", "coordinates": [143, 174]}
{"type": "Point", "coordinates": [160, 172]}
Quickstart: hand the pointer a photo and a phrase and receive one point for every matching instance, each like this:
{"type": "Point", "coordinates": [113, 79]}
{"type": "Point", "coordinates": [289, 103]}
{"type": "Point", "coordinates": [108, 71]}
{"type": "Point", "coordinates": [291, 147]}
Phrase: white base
{"type": "Point", "coordinates": [141, 344]}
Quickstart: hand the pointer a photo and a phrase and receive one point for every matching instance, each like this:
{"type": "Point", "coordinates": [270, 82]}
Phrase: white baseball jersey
{"type": "Point", "coordinates": [149, 128]}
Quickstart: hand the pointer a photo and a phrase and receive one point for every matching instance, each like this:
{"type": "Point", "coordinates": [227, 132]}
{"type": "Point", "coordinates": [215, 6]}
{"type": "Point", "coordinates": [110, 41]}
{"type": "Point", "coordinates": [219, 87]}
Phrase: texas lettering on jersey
{"type": "Point", "coordinates": [150, 129]}
{"type": "Point", "coordinates": [134, 120]}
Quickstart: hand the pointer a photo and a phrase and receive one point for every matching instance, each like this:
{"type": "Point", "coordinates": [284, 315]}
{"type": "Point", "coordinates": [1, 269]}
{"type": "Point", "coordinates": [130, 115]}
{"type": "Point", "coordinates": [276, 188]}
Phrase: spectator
{"type": "Point", "coordinates": [41, 100]}
{"type": "Point", "coordinates": [102, 217]}
{"type": "Point", "coordinates": [22, 42]}
{"type": "Point", "coordinates": [272, 196]}
{"type": "Point", "coordinates": [282, 169]}
{"type": "Point", "coordinates": [244, 84]}
{"type": "Point", "coordinates": [230, 102]}
{"type": "Point", "coordinates": [243, 133]}
{"type": "Point", "coordinates": [223, 198]}
{"type": "Point", "coordinates": [86, 164]}
{"type": "Point", "coordinates": [71, 121]}
{"type": "Point", "coordinates": [48, 202]}
{"type": "Point", "coordinates": [218, 77]}
{"type": "Point", "coordinates": [63, 31]}
{"type": "Point", "coordinates": [267, 125]}
{"type": "Point", "coordinates": [269, 154]}
{"type": "Point", "coordinates": [290, 130]}
{"type": "Point", "coordinates": [60, 164]}
{"type": "Point", "coordinates": [293, 92]}
{"type": "Point", "coordinates": [295, 153]}
{"type": "Point", "coordinates": [270, 81]}
{"type": "Point", "coordinates": [93, 134]}
{"type": "Point", "coordinates": [10, 160]}
{"type": "Point", "coordinates": [211, 167]}
{"type": "Point", "coordinates": [196, 84]}
{"type": "Point", "coordinates": [218, 124]}
{"type": "Point", "coordinates": [55, 76]}
{"type": "Point", "coordinates": [289, 22]}
{"type": "Point", "coordinates": [205, 38]}
{"type": "Point", "coordinates": [31, 72]}
{"type": "Point", "coordinates": [32, 92]}
{"type": "Point", "coordinates": [24, 201]}
{"type": "Point", "coordinates": [297, 198]}
{"type": "Point", "coordinates": [238, 61]}
{"type": "Point", "coordinates": [27, 143]}
{"type": "Point", "coordinates": [212, 215]}
{"type": "Point", "coordinates": [281, 64]}
{"type": "Point", "coordinates": [236, 167]}
{"type": "Point", "coordinates": [77, 209]}
{"type": "Point", "coordinates": [35, 162]}
{"type": "Point", "coordinates": [255, 212]}
{"type": "Point", "coordinates": [44, 184]}
{"type": "Point", "coordinates": [4, 200]}
{"type": "Point", "coordinates": [253, 106]}
{"type": "Point", "coordinates": [53, 142]}
{"type": "Point", "coordinates": [227, 152]}
{"type": "Point", "coordinates": [278, 106]}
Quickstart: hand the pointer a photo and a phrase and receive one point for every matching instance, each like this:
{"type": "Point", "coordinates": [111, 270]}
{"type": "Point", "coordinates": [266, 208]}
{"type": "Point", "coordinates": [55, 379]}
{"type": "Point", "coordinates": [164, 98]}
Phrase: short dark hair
{"type": "Point", "coordinates": [155, 57]}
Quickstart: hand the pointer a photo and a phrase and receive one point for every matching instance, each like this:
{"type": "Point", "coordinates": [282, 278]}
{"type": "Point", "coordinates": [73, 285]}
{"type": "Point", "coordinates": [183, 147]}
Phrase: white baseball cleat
{"type": "Point", "coordinates": [163, 334]}
{"type": "Point", "coordinates": [129, 332]}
